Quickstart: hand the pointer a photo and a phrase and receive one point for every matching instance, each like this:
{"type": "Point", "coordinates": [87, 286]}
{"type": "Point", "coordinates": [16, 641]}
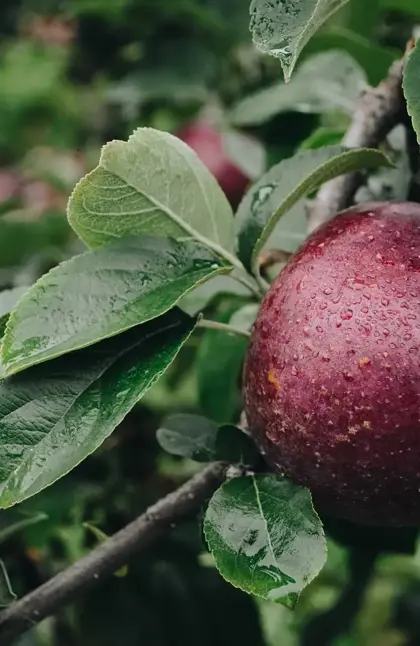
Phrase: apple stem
{"type": "Point", "coordinates": [222, 327]}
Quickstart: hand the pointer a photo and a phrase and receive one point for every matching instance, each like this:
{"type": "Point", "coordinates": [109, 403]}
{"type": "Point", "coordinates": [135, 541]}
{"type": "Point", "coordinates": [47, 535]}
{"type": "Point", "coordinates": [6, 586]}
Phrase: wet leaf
{"type": "Point", "coordinates": [54, 415]}
{"type": "Point", "coordinates": [411, 87]}
{"type": "Point", "coordinates": [265, 537]}
{"type": "Point", "coordinates": [8, 300]}
{"type": "Point", "coordinates": [285, 184]}
{"type": "Point", "coordinates": [189, 436]}
{"type": "Point", "coordinates": [152, 184]}
{"type": "Point", "coordinates": [283, 27]}
{"type": "Point", "coordinates": [103, 293]}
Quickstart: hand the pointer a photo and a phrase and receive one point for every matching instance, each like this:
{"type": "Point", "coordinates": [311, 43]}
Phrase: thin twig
{"type": "Point", "coordinates": [223, 327]}
{"type": "Point", "coordinates": [108, 557]}
{"type": "Point", "coordinates": [378, 111]}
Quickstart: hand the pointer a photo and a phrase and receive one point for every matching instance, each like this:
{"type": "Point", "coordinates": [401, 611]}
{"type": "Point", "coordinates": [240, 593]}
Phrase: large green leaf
{"type": "Point", "coordinates": [327, 81]}
{"type": "Point", "coordinates": [103, 293]}
{"type": "Point", "coordinates": [411, 87]}
{"type": "Point", "coordinates": [151, 184]}
{"type": "Point", "coordinates": [283, 27]}
{"type": "Point", "coordinates": [265, 536]}
{"type": "Point", "coordinates": [54, 415]}
{"type": "Point", "coordinates": [286, 183]}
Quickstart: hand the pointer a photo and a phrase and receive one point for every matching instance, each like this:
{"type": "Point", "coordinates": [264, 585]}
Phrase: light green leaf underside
{"type": "Point", "coordinates": [152, 184]}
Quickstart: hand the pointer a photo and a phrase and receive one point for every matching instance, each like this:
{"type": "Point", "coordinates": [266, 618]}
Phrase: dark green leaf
{"type": "Point", "coordinates": [265, 537]}
{"type": "Point", "coordinates": [54, 415]}
{"type": "Point", "coordinates": [286, 183]}
{"type": "Point", "coordinates": [103, 293]}
{"type": "Point", "coordinates": [189, 436]}
{"type": "Point", "coordinates": [411, 87]}
{"type": "Point", "coordinates": [410, 6]}
{"type": "Point", "coordinates": [283, 27]}
{"type": "Point", "coordinates": [327, 81]}
{"type": "Point", "coordinates": [12, 522]}
{"type": "Point", "coordinates": [152, 184]}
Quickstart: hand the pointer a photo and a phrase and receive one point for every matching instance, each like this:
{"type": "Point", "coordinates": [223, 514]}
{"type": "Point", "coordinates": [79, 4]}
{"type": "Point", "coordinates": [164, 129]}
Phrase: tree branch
{"type": "Point", "coordinates": [378, 111]}
{"type": "Point", "coordinates": [108, 557]}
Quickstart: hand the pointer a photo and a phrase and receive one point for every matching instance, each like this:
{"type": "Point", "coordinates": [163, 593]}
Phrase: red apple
{"type": "Point", "coordinates": [332, 375]}
{"type": "Point", "coordinates": [207, 142]}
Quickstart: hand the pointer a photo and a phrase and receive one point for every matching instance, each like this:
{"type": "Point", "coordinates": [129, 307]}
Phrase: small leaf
{"type": "Point", "coordinates": [247, 153]}
{"type": "Point", "coordinates": [283, 27]}
{"type": "Point", "coordinates": [219, 363]}
{"type": "Point", "coordinates": [103, 293]}
{"type": "Point", "coordinates": [8, 300]}
{"type": "Point", "coordinates": [189, 436]}
{"type": "Point", "coordinates": [286, 183]}
{"type": "Point", "coordinates": [327, 81]}
{"type": "Point", "coordinates": [55, 415]}
{"type": "Point", "coordinates": [265, 537]}
{"type": "Point", "coordinates": [152, 184]}
{"type": "Point", "coordinates": [411, 87]}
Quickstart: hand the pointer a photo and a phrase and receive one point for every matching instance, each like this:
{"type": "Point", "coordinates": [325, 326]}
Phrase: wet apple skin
{"type": "Point", "coordinates": [332, 373]}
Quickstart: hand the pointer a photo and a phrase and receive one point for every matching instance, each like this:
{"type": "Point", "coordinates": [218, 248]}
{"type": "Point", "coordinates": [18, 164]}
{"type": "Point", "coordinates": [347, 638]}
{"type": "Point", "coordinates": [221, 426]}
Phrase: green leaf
{"type": "Point", "coordinates": [55, 415]}
{"type": "Point", "coordinates": [283, 27]}
{"type": "Point", "coordinates": [199, 438]}
{"type": "Point", "coordinates": [103, 293]}
{"type": "Point", "coordinates": [411, 7]}
{"type": "Point", "coordinates": [219, 361]}
{"type": "Point", "coordinates": [411, 87]}
{"type": "Point", "coordinates": [152, 184]}
{"type": "Point", "coordinates": [286, 183]}
{"type": "Point", "coordinates": [265, 537]}
{"type": "Point", "coordinates": [189, 436]}
{"type": "Point", "coordinates": [327, 81]}
{"type": "Point", "coordinates": [8, 300]}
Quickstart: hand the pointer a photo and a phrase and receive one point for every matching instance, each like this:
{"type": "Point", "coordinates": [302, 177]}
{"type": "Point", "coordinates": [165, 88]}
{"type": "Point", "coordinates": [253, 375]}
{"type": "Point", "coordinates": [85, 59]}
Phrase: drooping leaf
{"type": "Point", "coordinates": [327, 81]}
{"type": "Point", "coordinates": [286, 183]}
{"type": "Point", "coordinates": [411, 87]}
{"type": "Point", "coordinates": [283, 27]}
{"type": "Point", "coordinates": [152, 184]}
{"type": "Point", "coordinates": [103, 293]}
{"type": "Point", "coordinates": [219, 363]}
{"type": "Point", "coordinates": [54, 415]}
{"type": "Point", "coordinates": [265, 537]}
{"type": "Point", "coordinates": [189, 436]}
{"type": "Point", "coordinates": [8, 300]}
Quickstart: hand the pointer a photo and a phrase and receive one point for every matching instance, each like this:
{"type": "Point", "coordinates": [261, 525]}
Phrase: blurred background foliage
{"type": "Point", "coordinates": [74, 74]}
